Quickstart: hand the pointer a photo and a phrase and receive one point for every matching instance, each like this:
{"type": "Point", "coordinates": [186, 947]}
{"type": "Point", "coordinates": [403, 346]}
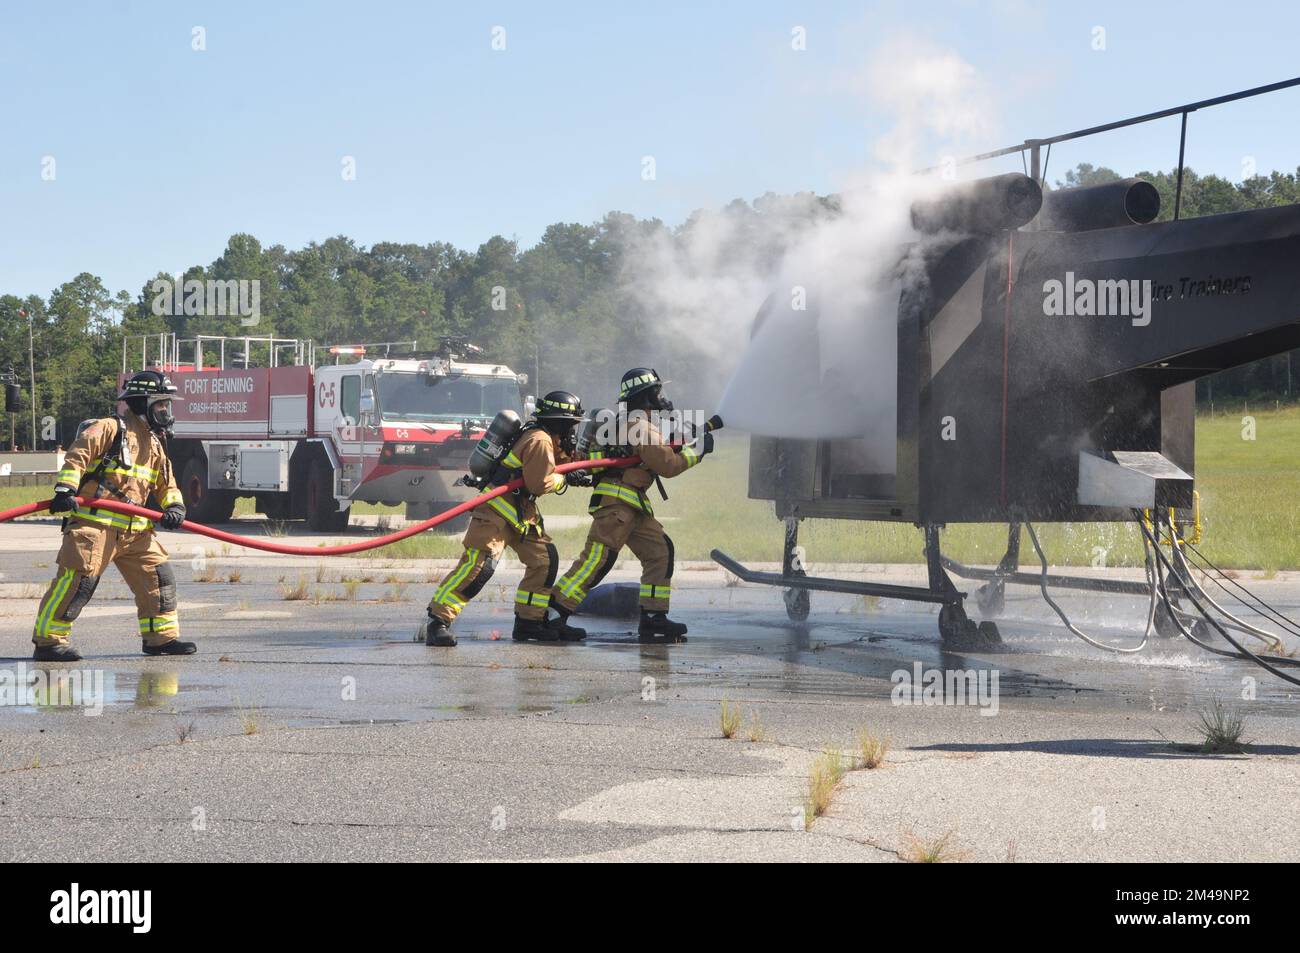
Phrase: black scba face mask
{"type": "Point", "coordinates": [564, 433]}
{"type": "Point", "coordinates": [159, 416]}
{"type": "Point", "coordinates": [657, 400]}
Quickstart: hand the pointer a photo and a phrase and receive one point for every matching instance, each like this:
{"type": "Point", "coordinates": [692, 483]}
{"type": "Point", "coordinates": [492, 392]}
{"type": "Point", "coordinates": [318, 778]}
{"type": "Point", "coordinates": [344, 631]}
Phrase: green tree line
{"type": "Point", "coordinates": [561, 311]}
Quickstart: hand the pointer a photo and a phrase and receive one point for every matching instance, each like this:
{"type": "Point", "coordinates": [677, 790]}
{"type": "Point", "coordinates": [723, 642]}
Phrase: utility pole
{"type": "Point", "coordinates": [10, 381]}
{"type": "Point", "coordinates": [31, 365]}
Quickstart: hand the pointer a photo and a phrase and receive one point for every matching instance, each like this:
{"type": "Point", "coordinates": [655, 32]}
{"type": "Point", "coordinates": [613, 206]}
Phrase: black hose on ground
{"type": "Point", "coordinates": [1264, 662]}
{"type": "Point", "coordinates": [1269, 612]}
{"type": "Point", "coordinates": [1152, 579]}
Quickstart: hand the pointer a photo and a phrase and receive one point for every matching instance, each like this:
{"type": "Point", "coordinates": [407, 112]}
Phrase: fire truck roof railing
{"type": "Point", "coordinates": [168, 352]}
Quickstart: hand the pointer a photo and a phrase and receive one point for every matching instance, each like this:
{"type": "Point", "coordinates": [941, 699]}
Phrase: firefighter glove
{"type": "Point", "coordinates": [65, 501]}
{"type": "Point", "coordinates": [706, 444]}
{"type": "Point", "coordinates": [173, 516]}
{"type": "Point", "coordinates": [579, 478]}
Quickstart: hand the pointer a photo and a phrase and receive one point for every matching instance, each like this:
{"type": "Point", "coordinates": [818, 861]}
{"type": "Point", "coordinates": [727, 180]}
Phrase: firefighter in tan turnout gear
{"type": "Point", "coordinates": [622, 514]}
{"type": "Point", "coordinates": [509, 450]}
{"type": "Point", "coordinates": [119, 458]}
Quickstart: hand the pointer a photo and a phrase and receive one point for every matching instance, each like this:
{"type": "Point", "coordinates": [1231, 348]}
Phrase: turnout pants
{"type": "Point", "coordinates": [86, 552]}
{"type": "Point", "coordinates": [487, 537]}
{"type": "Point", "coordinates": [614, 526]}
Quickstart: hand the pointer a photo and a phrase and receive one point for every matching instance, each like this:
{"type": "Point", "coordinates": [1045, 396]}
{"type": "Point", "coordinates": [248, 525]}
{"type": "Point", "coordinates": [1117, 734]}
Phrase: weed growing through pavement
{"type": "Point", "coordinates": [730, 719]}
{"type": "Point", "coordinates": [823, 778]}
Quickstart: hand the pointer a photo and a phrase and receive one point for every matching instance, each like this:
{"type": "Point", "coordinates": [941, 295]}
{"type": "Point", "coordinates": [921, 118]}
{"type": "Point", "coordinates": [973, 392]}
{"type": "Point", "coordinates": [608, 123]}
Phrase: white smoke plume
{"type": "Point", "coordinates": [822, 362]}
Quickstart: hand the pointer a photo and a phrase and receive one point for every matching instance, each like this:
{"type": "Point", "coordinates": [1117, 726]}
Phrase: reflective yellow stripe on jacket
{"type": "Point", "coordinates": [70, 477]}
{"type": "Point", "coordinates": [597, 455]}
{"type": "Point", "coordinates": [137, 472]}
{"type": "Point", "coordinates": [505, 507]}
{"type": "Point", "coordinates": [119, 521]}
{"type": "Point", "coordinates": [611, 491]}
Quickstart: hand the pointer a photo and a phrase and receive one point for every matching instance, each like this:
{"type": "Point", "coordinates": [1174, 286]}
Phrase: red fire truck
{"type": "Point", "coordinates": [380, 423]}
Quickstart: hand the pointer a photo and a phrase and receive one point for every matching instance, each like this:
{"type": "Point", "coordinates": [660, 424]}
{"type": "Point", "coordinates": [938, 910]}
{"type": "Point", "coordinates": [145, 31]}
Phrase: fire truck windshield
{"type": "Point", "coordinates": [409, 396]}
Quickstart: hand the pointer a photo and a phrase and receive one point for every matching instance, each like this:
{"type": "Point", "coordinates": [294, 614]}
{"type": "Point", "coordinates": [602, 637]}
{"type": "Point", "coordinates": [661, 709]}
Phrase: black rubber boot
{"type": "Point", "coordinates": [657, 627]}
{"type": "Point", "coordinates": [534, 630]}
{"type": "Point", "coordinates": [437, 634]}
{"type": "Point", "coordinates": [174, 647]}
{"type": "Point", "coordinates": [57, 652]}
{"type": "Point", "coordinates": [560, 623]}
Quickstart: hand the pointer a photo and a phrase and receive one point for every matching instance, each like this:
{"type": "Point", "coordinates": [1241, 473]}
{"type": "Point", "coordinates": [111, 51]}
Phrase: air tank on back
{"type": "Point", "coordinates": [589, 431]}
{"type": "Point", "coordinates": [494, 444]}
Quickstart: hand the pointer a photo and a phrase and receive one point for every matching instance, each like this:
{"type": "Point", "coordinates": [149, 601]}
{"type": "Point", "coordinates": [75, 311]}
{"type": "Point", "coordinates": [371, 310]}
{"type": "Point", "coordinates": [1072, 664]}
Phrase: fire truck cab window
{"type": "Point", "coordinates": [350, 402]}
{"type": "Point", "coordinates": [410, 397]}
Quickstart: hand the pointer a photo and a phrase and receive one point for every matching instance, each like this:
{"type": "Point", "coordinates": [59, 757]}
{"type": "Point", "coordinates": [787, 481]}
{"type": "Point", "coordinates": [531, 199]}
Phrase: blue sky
{"type": "Point", "coordinates": [162, 151]}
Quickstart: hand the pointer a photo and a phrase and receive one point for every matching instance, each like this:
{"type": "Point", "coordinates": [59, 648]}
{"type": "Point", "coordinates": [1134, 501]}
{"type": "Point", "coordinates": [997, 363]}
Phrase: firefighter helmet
{"type": "Point", "coordinates": [147, 384]}
{"type": "Point", "coordinates": [149, 395]}
{"type": "Point", "coordinates": [638, 381]}
{"type": "Point", "coordinates": [559, 405]}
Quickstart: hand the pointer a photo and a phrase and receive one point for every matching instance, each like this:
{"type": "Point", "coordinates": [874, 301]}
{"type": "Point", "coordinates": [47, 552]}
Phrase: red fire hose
{"type": "Point", "coordinates": [251, 543]}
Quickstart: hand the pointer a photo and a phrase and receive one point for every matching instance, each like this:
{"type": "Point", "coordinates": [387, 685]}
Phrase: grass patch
{"type": "Point", "coordinates": [184, 732]}
{"type": "Point", "coordinates": [350, 589]}
{"type": "Point", "coordinates": [249, 723]}
{"type": "Point", "coordinates": [756, 731]}
{"type": "Point", "coordinates": [295, 593]}
{"type": "Point", "coordinates": [823, 778]}
{"type": "Point", "coordinates": [1221, 730]}
{"type": "Point", "coordinates": [871, 749]}
{"type": "Point", "coordinates": [934, 850]}
{"type": "Point", "coordinates": [396, 594]}
{"type": "Point", "coordinates": [729, 719]}
{"type": "Point", "coordinates": [234, 576]}
{"type": "Point", "coordinates": [830, 767]}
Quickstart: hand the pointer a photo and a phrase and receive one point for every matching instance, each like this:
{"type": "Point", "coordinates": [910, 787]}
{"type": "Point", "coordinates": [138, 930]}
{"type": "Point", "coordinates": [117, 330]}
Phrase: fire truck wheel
{"type": "Point", "coordinates": [203, 505]}
{"type": "Point", "coordinates": [323, 513]}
